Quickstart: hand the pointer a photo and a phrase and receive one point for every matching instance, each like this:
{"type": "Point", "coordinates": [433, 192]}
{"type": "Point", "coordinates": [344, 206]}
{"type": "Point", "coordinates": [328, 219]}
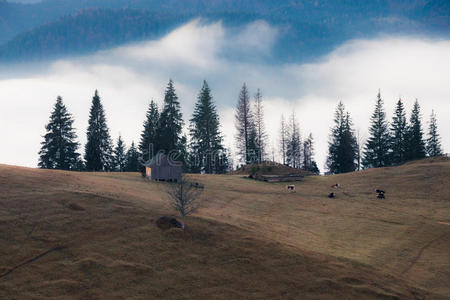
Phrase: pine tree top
{"type": "Point", "coordinates": [149, 135]}
{"type": "Point", "coordinates": [58, 150]}
{"type": "Point", "coordinates": [204, 124]}
{"type": "Point", "coordinates": [172, 108]}
{"type": "Point", "coordinates": [98, 149]}
{"type": "Point", "coordinates": [415, 114]}
{"type": "Point", "coordinates": [433, 146]}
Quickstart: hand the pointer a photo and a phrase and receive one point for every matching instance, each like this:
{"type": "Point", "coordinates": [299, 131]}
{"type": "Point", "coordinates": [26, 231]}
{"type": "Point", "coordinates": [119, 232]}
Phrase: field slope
{"type": "Point", "coordinates": [93, 235]}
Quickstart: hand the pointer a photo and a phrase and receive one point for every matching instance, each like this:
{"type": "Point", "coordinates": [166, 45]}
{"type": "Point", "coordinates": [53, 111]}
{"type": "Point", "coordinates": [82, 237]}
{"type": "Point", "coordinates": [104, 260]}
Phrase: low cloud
{"type": "Point", "coordinates": [129, 77]}
{"type": "Point", "coordinates": [195, 44]}
{"type": "Point", "coordinates": [256, 39]}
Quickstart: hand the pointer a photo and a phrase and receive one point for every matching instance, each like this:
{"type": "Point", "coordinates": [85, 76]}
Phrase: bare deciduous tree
{"type": "Point", "coordinates": [360, 140]}
{"type": "Point", "coordinates": [294, 144]}
{"type": "Point", "coordinates": [283, 140]}
{"type": "Point", "coordinates": [261, 135]}
{"type": "Point", "coordinates": [244, 124]}
{"type": "Point", "coordinates": [308, 152]}
{"type": "Point", "coordinates": [185, 197]}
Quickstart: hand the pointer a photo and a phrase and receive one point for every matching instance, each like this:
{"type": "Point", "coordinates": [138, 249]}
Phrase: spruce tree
{"type": "Point", "coordinates": [308, 153]}
{"type": "Point", "coordinates": [98, 149]}
{"type": "Point", "coordinates": [182, 153]}
{"type": "Point", "coordinates": [342, 147]}
{"type": "Point", "coordinates": [416, 144]}
{"type": "Point", "coordinates": [399, 131]}
{"type": "Point", "coordinates": [349, 146]}
{"type": "Point", "coordinates": [192, 163]}
{"type": "Point", "coordinates": [119, 156]}
{"type": "Point", "coordinates": [132, 159]}
{"type": "Point", "coordinates": [206, 140]}
{"type": "Point", "coordinates": [333, 158]}
{"type": "Point", "coordinates": [223, 163]}
{"type": "Point", "coordinates": [149, 144]}
{"type": "Point", "coordinates": [315, 168]}
{"type": "Point", "coordinates": [59, 148]}
{"type": "Point", "coordinates": [79, 165]}
{"type": "Point", "coordinates": [253, 147]}
{"type": "Point", "coordinates": [376, 152]}
{"type": "Point", "coordinates": [171, 122]}
{"type": "Point", "coordinates": [259, 126]}
{"type": "Point", "coordinates": [433, 142]}
{"type": "Point", "coordinates": [244, 124]}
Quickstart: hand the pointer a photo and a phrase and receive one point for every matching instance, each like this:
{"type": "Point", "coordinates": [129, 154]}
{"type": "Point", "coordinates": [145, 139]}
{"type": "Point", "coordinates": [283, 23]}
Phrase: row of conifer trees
{"type": "Point", "coordinates": [387, 144]}
{"type": "Point", "coordinates": [162, 132]}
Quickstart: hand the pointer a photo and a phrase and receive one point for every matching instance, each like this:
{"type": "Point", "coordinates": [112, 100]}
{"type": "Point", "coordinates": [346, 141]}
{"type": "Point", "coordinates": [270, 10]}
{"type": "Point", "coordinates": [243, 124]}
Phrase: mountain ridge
{"type": "Point", "coordinates": [50, 28]}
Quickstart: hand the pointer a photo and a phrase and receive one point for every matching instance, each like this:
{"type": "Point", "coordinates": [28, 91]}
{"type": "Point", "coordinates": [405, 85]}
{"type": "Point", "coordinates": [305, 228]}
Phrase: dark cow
{"type": "Point", "coordinates": [380, 194]}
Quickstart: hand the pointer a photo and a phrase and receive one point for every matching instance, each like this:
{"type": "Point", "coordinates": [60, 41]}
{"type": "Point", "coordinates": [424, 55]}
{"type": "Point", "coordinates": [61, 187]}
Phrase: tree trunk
{"type": "Point", "coordinates": [182, 222]}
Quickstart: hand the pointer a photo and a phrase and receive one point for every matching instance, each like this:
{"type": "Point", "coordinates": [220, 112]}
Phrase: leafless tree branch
{"type": "Point", "coordinates": [185, 197]}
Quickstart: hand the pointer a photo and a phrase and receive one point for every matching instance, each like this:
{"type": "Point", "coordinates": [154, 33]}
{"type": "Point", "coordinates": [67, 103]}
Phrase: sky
{"type": "Point", "coordinates": [24, 1]}
{"type": "Point", "coordinates": [128, 77]}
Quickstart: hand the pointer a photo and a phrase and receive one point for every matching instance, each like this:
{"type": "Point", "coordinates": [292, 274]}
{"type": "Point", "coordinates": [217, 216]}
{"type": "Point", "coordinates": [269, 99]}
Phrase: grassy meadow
{"type": "Point", "coordinates": [66, 235]}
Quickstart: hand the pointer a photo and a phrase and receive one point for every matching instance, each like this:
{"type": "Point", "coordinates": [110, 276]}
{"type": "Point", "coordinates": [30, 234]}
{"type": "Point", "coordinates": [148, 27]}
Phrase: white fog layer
{"type": "Point", "coordinates": [128, 77]}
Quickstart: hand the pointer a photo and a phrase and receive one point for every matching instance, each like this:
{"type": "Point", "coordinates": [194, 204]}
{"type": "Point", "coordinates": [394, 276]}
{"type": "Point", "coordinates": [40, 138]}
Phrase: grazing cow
{"type": "Point", "coordinates": [336, 185]}
{"type": "Point", "coordinates": [380, 194]}
{"type": "Point", "coordinates": [331, 195]}
{"type": "Point", "coordinates": [291, 188]}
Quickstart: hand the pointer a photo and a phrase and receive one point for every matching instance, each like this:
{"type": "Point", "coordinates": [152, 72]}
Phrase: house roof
{"type": "Point", "coordinates": [160, 159]}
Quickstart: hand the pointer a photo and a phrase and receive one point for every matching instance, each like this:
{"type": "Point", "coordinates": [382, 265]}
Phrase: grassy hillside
{"type": "Point", "coordinates": [91, 235]}
{"type": "Point", "coordinates": [269, 168]}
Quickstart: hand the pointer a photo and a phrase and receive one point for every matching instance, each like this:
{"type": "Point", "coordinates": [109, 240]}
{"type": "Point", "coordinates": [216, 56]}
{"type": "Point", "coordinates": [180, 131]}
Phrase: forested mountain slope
{"type": "Point", "coordinates": [61, 27]}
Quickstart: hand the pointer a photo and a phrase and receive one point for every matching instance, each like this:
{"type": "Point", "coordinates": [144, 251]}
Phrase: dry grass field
{"type": "Point", "coordinates": [93, 235]}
